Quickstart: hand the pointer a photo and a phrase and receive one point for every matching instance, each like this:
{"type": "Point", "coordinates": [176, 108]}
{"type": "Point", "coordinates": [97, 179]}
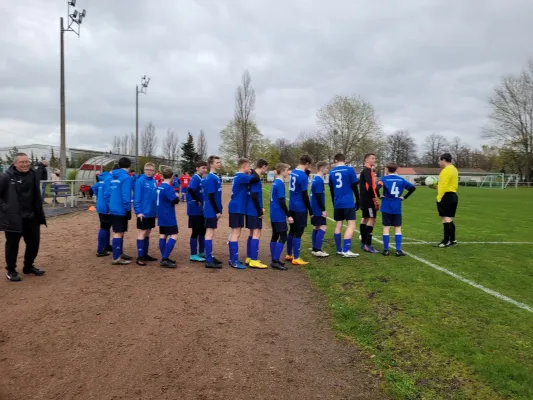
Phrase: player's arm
{"type": "Point", "coordinates": [331, 190]}
{"type": "Point", "coordinates": [126, 194]}
{"type": "Point", "coordinates": [137, 197]}
{"type": "Point", "coordinates": [211, 197]}
{"type": "Point", "coordinates": [444, 181]}
{"type": "Point", "coordinates": [94, 188]}
{"type": "Point", "coordinates": [193, 194]}
{"type": "Point", "coordinates": [355, 190]}
{"type": "Point", "coordinates": [4, 184]}
{"type": "Point", "coordinates": [410, 191]}
{"type": "Point", "coordinates": [255, 200]}
{"type": "Point", "coordinates": [254, 177]}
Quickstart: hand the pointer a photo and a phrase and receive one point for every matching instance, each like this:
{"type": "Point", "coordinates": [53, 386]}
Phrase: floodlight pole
{"type": "Point", "coordinates": [144, 85]}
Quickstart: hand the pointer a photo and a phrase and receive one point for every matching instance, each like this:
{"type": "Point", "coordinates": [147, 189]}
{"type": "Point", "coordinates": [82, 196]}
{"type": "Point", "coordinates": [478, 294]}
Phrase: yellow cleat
{"type": "Point", "coordinates": [289, 258]}
{"type": "Point", "coordinates": [248, 260]}
{"type": "Point", "coordinates": [257, 264]}
{"type": "Point", "coordinates": [299, 261]}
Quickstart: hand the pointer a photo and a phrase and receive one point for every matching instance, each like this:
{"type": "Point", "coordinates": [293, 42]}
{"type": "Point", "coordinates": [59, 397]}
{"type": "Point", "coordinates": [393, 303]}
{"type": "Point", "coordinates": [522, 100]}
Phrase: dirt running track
{"type": "Point", "coordinates": [90, 330]}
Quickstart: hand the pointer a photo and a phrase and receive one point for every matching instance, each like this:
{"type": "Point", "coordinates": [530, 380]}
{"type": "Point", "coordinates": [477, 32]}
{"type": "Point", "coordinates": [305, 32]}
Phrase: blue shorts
{"type": "Point", "coordinates": [254, 222]}
{"type": "Point", "coordinates": [391, 219]}
{"type": "Point", "coordinates": [119, 223]}
{"type": "Point", "coordinates": [318, 220]}
{"type": "Point", "coordinates": [236, 220]}
{"type": "Point", "coordinates": [168, 230]}
{"type": "Point", "coordinates": [300, 218]}
{"type": "Point", "coordinates": [279, 227]}
{"type": "Point", "coordinates": [211, 223]}
{"type": "Point", "coordinates": [344, 214]}
{"type": "Point", "coordinates": [196, 222]}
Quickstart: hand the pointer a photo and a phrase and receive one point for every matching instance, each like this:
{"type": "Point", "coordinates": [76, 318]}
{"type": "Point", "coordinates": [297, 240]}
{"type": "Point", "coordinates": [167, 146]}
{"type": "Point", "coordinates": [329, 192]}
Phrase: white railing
{"type": "Point", "coordinates": [73, 194]}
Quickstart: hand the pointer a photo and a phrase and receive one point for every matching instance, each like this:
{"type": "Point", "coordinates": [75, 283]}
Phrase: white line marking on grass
{"type": "Point", "coordinates": [421, 242]}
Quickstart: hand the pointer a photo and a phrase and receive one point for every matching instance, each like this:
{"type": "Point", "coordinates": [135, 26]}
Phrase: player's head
{"type": "Point", "coordinates": [391, 168]}
{"type": "Point", "coordinates": [370, 159]}
{"type": "Point", "coordinates": [22, 162]}
{"type": "Point", "coordinates": [445, 159]}
{"type": "Point", "coordinates": [322, 167]}
{"type": "Point", "coordinates": [149, 169]}
{"type": "Point", "coordinates": [201, 168]}
{"type": "Point", "coordinates": [214, 162]}
{"type": "Point", "coordinates": [168, 173]}
{"type": "Point", "coordinates": [283, 170]}
{"type": "Point", "coordinates": [339, 158]}
{"type": "Point", "coordinates": [124, 163]}
{"type": "Point", "coordinates": [306, 160]}
{"type": "Point", "coordinates": [243, 165]}
{"type": "Point", "coordinates": [262, 166]}
{"type": "Point", "coordinates": [186, 173]}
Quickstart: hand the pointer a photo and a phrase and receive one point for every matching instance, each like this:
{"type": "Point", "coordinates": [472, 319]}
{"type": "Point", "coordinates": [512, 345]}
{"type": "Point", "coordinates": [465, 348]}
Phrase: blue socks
{"type": "Point", "coordinates": [347, 245]}
{"type": "Point", "coordinates": [296, 244]}
{"type": "Point", "coordinates": [233, 252]}
{"type": "Point", "coordinates": [162, 245]}
{"type": "Point", "coordinates": [102, 242]}
{"type": "Point", "coordinates": [319, 240]}
{"type": "Point", "coordinates": [193, 244]}
{"type": "Point", "coordinates": [289, 244]}
{"type": "Point", "coordinates": [168, 248]}
{"type": "Point", "coordinates": [278, 249]}
{"type": "Point", "coordinates": [254, 247]}
{"type": "Point", "coordinates": [386, 241]}
{"type": "Point", "coordinates": [398, 238]}
{"type": "Point", "coordinates": [140, 248]}
{"type": "Point", "coordinates": [313, 239]}
{"type": "Point", "coordinates": [117, 248]}
{"type": "Point", "coordinates": [201, 245]}
{"type": "Point", "coordinates": [209, 251]}
{"type": "Point", "coordinates": [337, 237]}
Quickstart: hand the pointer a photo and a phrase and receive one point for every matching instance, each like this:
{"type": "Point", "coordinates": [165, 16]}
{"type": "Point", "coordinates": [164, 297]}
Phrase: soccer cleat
{"type": "Point", "coordinates": [140, 261]}
{"type": "Point", "coordinates": [149, 258]}
{"type": "Point", "coordinates": [109, 249]}
{"type": "Point", "coordinates": [453, 243]}
{"type": "Point", "coordinates": [248, 260]}
{"type": "Point", "coordinates": [105, 253]}
{"type": "Point", "coordinates": [370, 249]}
{"type": "Point", "coordinates": [126, 257]}
{"type": "Point", "coordinates": [289, 258]}
{"type": "Point", "coordinates": [362, 246]}
{"type": "Point", "coordinates": [299, 261]}
{"type": "Point", "coordinates": [340, 253]}
{"type": "Point", "coordinates": [320, 254]}
{"type": "Point", "coordinates": [197, 258]}
{"type": "Point", "coordinates": [213, 265]}
{"type": "Point", "coordinates": [349, 254]}
{"type": "Point", "coordinates": [217, 261]}
{"type": "Point", "coordinates": [385, 253]}
{"type": "Point", "coordinates": [400, 253]}
{"type": "Point", "coordinates": [201, 255]}
{"type": "Point", "coordinates": [257, 264]}
{"type": "Point", "coordinates": [279, 266]}
{"type": "Point", "coordinates": [13, 276]}
{"type": "Point", "coordinates": [167, 263]}
{"type": "Point", "coordinates": [33, 270]}
{"type": "Point", "coordinates": [120, 261]}
{"type": "Point", "coordinates": [442, 244]}
{"type": "Point", "coordinates": [237, 265]}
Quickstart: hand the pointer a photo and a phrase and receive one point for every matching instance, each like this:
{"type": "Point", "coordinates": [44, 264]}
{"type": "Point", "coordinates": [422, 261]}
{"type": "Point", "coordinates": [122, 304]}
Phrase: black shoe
{"type": "Point", "coordinates": [166, 263]}
{"type": "Point", "coordinates": [442, 244]}
{"type": "Point", "coordinates": [109, 249]}
{"type": "Point", "coordinates": [213, 265]}
{"type": "Point", "coordinates": [13, 276]}
{"type": "Point", "coordinates": [33, 271]}
{"type": "Point", "coordinates": [217, 261]}
{"type": "Point", "coordinates": [400, 253]}
{"type": "Point", "coordinates": [453, 243]}
{"type": "Point", "coordinates": [149, 258]}
{"type": "Point", "coordinates": [103, 254]}
{"type": "Point", "coordinates": [171, 260]}
{"type": "Point", "coordinates": [385, 253]}
{"type": "Point", "coordinates": [140, 261]}
{"type": "Point", "coordinates": [126, 257]}
{"type": "Point", "coordinates": [277, 265]}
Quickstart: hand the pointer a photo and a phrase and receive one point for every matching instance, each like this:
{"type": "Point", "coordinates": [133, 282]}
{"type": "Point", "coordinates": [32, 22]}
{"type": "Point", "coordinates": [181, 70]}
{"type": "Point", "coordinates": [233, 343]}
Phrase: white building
{"type": "Point", "coordinates": [44, 152]}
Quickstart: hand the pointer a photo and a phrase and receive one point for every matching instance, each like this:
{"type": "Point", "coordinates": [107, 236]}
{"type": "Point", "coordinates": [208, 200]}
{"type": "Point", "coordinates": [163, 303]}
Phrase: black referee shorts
{"type": "Point", "coordinates": [447, 206]}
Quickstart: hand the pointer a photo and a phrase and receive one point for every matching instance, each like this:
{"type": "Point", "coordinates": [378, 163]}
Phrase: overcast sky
{"type": "Point", "coordinates": [426, 65]}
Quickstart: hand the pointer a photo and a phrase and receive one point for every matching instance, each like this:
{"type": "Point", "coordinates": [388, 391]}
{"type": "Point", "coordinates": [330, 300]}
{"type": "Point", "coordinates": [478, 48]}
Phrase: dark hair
{"type": "Point", "coordinates": [261, 163]}
{"type": "Point", "coordinates": [116, 166]}
{"type": "Point", "coordinates": [339, 157]}
{"type": "Point", "coordinates": [306, 159]}
{"type": "Point", "coordinates": [391, 167]}
{"type": "Point", "coordinates": [446, 157]}
{"type": "Point", "coordinates": [168, 173]}
{"type": "Point", "coordinates": [242, 161]}
{"type": "Point", "coordinates": [124, 162]}
{"type": "Point", "coordinates": [368, 155]}
{"type": "Point", "coordinates": [201, 164]}
{"type": "Point", "coordinates": [212, 159]}
{"type": "Point", "coordinates": [321, 165]}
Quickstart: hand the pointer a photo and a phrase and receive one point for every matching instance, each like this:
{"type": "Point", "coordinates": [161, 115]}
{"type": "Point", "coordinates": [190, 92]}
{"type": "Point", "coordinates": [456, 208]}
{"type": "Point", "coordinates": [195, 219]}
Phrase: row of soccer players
{"type": "Point", "coordinates": [246, 209]}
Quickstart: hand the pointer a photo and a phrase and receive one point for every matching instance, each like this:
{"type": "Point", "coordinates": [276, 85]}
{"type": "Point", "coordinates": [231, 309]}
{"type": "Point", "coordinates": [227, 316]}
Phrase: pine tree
{"type": "Point", "coordinates": [188, 156]}
{"type": "Point", "coordinates": [54, 162]}
{"type": "Point", "coordinates": [10, 157]}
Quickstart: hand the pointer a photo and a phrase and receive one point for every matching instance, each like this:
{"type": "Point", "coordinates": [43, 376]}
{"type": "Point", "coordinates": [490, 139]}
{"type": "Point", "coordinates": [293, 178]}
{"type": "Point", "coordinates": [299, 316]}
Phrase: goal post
{"type": "Point", "coordinates": [487, 180]}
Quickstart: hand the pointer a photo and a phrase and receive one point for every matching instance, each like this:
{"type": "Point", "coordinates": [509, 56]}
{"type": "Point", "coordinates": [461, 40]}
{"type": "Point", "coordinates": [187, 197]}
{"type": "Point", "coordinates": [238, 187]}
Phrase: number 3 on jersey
{"type": "Point", "coordinates": [292, 184]}
{"type": "Point", "coordinates": [395, 190]}
{"type": "Point", "coordinates": [338, 175]}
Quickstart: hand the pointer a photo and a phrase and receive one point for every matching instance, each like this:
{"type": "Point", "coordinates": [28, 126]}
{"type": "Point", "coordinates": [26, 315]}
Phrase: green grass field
{"type": "Point", "coordinates": [431, 335]}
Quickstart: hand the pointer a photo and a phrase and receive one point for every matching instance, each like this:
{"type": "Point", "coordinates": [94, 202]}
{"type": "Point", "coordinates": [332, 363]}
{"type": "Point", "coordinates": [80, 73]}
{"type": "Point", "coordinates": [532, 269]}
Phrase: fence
{"type": "Point", "coordinates": [74, 191]}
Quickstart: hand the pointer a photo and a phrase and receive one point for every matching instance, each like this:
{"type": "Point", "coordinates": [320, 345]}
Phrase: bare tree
{"type": "Point", "coordinates": [287, 152]}
{"type": "Point", "coordinates": [148, 141]}
{"type": "Point", "coordinates": [511, 117]}
{"type": "Point", "coordinates": [351, 125]}
{"type": "Point", "coordinates": [116, 145]}
{"type": "Point", "coordinates": [314, 144]}
{"type": "Point", "coordinates": [434, 146]}
{"type": "Point", "coordinates": [132, 146]}
{"type": "Point", "coordinates": [171, 147]}
{"type": "Point", "coordinates": [401, 148]}
{"type": "Point", "coordinates": [201, 146]}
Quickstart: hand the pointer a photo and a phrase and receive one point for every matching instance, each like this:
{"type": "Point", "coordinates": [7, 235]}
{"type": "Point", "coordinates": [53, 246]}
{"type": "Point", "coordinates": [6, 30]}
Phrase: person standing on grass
{"type": "Point", "coordinates": [212, 189]}
{"type": "Point", "coordinates": [195, 205]}
{"type": "Point", "coordinates": [144, 204]}
{"type": "Point", "coordinates": [21, 215]}
{"type": "Point", "coordinates": [343, 186]}
{"type": "Point", "coordinates": [391, 206]}
{"type": "Point", "coordinates": [117, 193]}
{"type": "Point", "coordinates": [318, 204]}
{"type": "Point", "coordinates": [167, 198]}
{"type": "Point", "coordinates": [279, 215]}
{"type": "Point", "coordinates": [447, 199]}
{"type": "Point", "coordinates": [104, 247]}
{"type": "Point", "coordinates": [299, 206]}
{"type": "Point", "coordinates": [369, 202]}
{"type": "Point", "coordinates": [254, 214]}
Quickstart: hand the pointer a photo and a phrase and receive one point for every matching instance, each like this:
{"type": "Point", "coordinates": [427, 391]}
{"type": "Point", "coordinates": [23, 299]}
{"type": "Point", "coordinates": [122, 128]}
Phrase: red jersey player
{"type": "Point", "coordinates": [184, 179]}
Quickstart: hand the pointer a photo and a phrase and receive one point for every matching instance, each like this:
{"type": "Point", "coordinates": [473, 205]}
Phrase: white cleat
{"type": "Point", "coordinates": [340, 253]}
{"type": "Point", "coordinates": [349, 254]}
{"type": "Point", "coordinates": [320, 254]}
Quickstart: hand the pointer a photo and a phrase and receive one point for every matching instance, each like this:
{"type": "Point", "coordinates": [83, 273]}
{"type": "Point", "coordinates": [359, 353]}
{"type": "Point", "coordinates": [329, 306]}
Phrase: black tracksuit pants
{"type": "Point", "coordinates": [31, 233]}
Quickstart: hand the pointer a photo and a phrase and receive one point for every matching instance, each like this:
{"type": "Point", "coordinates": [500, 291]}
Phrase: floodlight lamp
{"type": "Point", "coordinates": [80, 19]}
{"type": "Point", "coordinates": [84, 13]}
{"type": "Point", "coordinates": [75, 14]}
{"type": "Point", "coordinates": [72, 3]}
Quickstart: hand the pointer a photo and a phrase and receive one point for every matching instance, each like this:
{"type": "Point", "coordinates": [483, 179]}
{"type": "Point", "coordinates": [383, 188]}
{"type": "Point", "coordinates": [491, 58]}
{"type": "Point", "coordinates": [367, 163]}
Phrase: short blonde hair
{"type": "Point", "coordinates": [281, 167]}
{"type": "Point", "coordinates": [149, 164]}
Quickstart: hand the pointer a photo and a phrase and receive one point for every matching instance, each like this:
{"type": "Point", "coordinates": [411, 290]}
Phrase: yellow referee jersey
{"type": "Point", "coordinates": [448, 181]}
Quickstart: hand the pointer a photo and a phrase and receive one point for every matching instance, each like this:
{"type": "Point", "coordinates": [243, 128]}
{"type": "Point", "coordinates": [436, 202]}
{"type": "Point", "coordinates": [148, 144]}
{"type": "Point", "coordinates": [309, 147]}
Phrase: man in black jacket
{"type": "Point", "coordinates": [42, 175]}
{"type": "Point", "coordinates": [21, 215]}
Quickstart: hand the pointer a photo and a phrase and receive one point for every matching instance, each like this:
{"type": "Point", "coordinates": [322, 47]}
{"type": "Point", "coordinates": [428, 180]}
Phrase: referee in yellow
{"type": "Point", "coordinates": [447, 199]}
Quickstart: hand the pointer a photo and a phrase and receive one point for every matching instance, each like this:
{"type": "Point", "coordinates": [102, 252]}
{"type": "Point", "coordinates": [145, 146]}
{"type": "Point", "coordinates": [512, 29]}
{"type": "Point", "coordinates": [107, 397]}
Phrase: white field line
{"type": "Point", "coordinates": [464, 280]}
{"type": "Point", "coordinates": [426, 243]}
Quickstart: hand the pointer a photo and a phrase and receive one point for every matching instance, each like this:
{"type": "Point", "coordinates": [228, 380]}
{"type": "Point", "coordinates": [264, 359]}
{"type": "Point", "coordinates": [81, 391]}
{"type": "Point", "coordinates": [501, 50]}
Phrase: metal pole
{"type": "Point", "coordinates": [63, 150]}
{"type": "Point", "coordinates": [137, 128]}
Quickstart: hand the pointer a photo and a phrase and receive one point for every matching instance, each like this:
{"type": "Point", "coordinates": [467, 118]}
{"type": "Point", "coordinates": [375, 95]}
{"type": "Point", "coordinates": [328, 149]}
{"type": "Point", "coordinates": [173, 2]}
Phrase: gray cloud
{"type": "Point", "coordinates": [426, 68]}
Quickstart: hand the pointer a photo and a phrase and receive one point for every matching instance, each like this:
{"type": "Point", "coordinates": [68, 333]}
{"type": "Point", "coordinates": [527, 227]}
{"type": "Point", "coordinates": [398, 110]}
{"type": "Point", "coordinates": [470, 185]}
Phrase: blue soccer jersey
{"type": "Point", "coordinates": [166, 213]}
{"type": "Point", "coordinates": [341, 179]}
{"type": "Point", "coordinates": [239, 193]}
{"type": "Point", "coordinates": [212, 184]}
{"type": "Point", "coordinates": [393, 187]}
{"type": "Point", "coordinates": [256, 187]}
{"type": "Point", "coordinates": [298, 183]}
{"type": "Point", "coordinates": [277, 192]}
{"type": "Point", "coordinates": [195, 185]}
{"type": "Point", "coordinates": [317, 191]}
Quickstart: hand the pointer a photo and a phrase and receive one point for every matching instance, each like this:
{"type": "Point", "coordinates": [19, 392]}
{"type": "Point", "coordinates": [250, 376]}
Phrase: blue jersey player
{"type": "Point", "coordinates": [343, 185]}
{"type": "Point", "coordinates": [279, 215]}
{"type": "Point", "coordinates": [318, 204]}
{"type": "Point", "coordinates": [212, 189]}
{"type": "Point", "coordinates": [144, 204]}
{"type": "Point", "coordinates": [254, 215]}
{"type": "Point", "coordinates": [167, 198]}
{"type": "Point", "coordinates": [195, 212]}
{"type": "Point", "coordinates": [299, 206]}
{"type": "Point", "coordinates": [391, 206]}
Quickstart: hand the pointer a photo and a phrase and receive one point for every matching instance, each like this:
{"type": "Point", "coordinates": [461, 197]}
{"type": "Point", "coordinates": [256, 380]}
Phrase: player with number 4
{"type": "Point", "coordinates": [391, 206]}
